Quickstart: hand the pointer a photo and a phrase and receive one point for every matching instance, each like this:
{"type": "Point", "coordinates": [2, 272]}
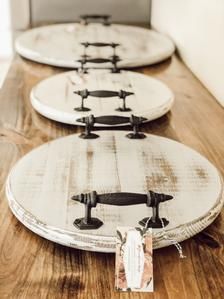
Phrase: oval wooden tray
{"type": "Point", "coordinates": [55, 99]}
{"type": "Point", "coordinates": [59, 45]}
{"type": "Point", "coordinates": [40, 186]}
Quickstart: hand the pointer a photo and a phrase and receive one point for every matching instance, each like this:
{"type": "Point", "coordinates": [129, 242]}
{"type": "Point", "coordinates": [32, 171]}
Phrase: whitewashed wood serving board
{"type": "Point", "coordinates": [40, 186]}
{"type": "Point", "coordinates": [59, 45]}
{"type": "Point", "coordinates": [54, 97]}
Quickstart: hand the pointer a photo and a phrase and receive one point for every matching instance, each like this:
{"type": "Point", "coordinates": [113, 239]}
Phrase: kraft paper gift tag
{"type": "Point", "coordinates": [134, 267]}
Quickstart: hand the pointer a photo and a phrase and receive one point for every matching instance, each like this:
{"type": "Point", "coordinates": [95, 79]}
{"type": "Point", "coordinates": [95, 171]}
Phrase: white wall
{"type": "Point", "coordinates": [5, 36]}
{"type": "Point", "coordinates": [20, 14]}
{"type": "Point", "coordinates": [5, 40]}
{"type": "Point", "coordinates": [197, 28]}
{"type": "Point", "coordinates": [64, 10]}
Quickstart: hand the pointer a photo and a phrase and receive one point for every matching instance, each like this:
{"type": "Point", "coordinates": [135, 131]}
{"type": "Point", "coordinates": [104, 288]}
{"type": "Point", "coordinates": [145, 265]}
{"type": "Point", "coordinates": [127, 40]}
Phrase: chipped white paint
{"type": "Point", "coordinates": [59, 45]}
{"type": "Point", "coordinates": [40, 186]}
{"type": "Point", "coordinates": [54, 97]}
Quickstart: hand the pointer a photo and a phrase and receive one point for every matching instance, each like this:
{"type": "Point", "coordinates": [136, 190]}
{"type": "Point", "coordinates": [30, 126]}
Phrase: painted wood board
{"type": "Point", "coordinates": [59, 45]}
{"type": "Point", "coordinates": [40, 186]}
{"type": "Point", "coordinates": [54, 97]}
{"type": "Point", "coordinates": [24, 253]}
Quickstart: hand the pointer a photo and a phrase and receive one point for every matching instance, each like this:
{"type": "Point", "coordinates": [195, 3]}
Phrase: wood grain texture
{"type": "Point", "coordinates": [40, 186]}
{"type": "Point", "coordinates": [55, 98]}
{"type": "Point", "coordinates": [51, 44]}
{"type": "Point", "coordinates": [31, 267]}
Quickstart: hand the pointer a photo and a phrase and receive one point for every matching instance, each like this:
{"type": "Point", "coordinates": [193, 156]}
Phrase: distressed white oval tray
{"type": "Point", "coordinates": [40, 186]}
{"type": "Point", "coordinates": [59, 45]}
{"type": "Point", "coordinates": [54, 97]}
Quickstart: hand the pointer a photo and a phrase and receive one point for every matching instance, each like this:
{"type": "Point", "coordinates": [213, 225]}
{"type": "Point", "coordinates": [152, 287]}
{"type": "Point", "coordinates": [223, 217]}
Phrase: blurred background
{"type": "Point", "coordinates": [5, 38]}
{"type": "Point", "coordinates": [16, 16]}
{"type": "Point", "coordinates": [195, 26]}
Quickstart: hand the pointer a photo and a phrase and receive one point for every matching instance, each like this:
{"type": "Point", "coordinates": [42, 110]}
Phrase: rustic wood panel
{"type": "Point", "coordinates": [31, 267]}
{"type": "Point", "coordinates": [40, 186]}
{"type": "Point", "coordinates": [59, 44]}
{"type": "Point", "coordinates": [55, 98]}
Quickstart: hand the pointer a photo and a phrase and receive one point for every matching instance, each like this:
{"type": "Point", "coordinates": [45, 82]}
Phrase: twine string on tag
{"type": "Point", "coordinates": [173, 241]}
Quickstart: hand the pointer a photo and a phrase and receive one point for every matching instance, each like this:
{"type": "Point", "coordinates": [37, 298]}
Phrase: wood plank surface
{"type": "Point", "coordinates": [32, 267]}
{"type": "Point", "coordinates": [39, 188]}
{"type": "Point", "coordinates": [55, 98]}
{"type": "Point", "coordinates": [60, 44]}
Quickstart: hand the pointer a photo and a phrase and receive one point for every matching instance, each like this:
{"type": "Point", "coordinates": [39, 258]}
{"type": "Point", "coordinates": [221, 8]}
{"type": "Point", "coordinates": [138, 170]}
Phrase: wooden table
{"type": "Point", "coordinates": [32, 267]}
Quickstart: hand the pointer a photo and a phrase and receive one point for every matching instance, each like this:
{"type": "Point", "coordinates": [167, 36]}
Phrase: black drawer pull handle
{"type": "Point", "coordinates": [84, 94]}
{"type": "Point", "coordinates": [151, 199]}
{"type": "Point", "coordinates": [85, 59]}
{"type": "Point", "coordinates": [99, 60]}
{"type": "Point", "coordinates": [110, 120]}
{"type": "Point", "coordinates": [100, 45]}
{"type": "Point", "coordinates": [114, 59]}
{"type": "Point", "coordinates": [85, 19]}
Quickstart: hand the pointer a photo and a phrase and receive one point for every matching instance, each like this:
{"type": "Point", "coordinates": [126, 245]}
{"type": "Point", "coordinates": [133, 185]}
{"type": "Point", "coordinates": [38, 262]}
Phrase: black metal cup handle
{"type": "Point", "coordinates": [151, 199]}
{"type": "Point", "coordinates": [88, 17]}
